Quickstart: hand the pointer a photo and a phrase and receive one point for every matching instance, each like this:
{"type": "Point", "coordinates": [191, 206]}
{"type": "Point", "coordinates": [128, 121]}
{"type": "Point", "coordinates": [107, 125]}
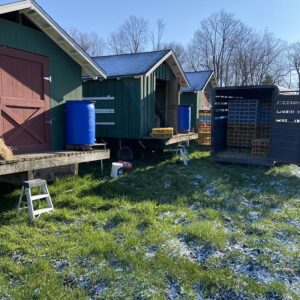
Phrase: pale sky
{"type": "Point", "coordinates": [182, 18]}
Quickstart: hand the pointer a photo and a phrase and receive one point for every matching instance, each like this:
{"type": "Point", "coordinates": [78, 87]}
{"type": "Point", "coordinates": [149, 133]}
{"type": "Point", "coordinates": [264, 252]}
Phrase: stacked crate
{"type": "Point", "coordinates": [242, 122]}
{"type": "Point", "coordinates": [162, 133]}
{"type": "Point", "coordinates": [264, 120]}
{"type": "Point", "coordinates": [260, 147]}
{"type": "Point", "coordinates": [204, 128]}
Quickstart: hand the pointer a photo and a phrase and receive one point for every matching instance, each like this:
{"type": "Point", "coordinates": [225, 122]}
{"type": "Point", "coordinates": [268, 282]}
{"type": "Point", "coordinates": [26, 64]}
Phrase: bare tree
{"type": "Point", "coordinates": [178, 50]}
{"type": "Point", "coordinates": [213, 44]}
{"type": "Point", "coordinates": [259, 59]}
{"type": "Point", "coordinates": [131, 37]}
{"type": "Point", "coordinates": [157, 37]}
{"type": "Point", "coordinates": [294, 59]}
{"type": "Point", "coordinates": [88, 41]}
{"type": "Point", "coordinates": [238, 54]}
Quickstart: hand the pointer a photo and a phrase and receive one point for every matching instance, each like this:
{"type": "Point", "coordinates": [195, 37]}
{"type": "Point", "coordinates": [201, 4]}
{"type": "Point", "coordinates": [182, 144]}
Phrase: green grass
{"type": "Point", "coordinates": [162, 231]}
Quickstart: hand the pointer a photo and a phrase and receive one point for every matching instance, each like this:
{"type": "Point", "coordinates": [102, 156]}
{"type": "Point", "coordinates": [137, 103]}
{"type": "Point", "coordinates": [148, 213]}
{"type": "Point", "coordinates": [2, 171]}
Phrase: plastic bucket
{"type": "Point", "coordinates": [116, 169]}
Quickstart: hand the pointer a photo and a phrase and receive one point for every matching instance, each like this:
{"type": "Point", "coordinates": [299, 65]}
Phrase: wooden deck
{"type": "Point", "coordinates": [35, 161]}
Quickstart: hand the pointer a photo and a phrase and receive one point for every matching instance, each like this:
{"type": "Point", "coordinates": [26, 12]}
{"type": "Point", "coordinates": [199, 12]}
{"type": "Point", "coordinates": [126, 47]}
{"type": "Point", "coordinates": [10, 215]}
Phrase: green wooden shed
{"type": "Point", "coordinates": [141, 92]}
{"type": "Point", "coordinates": [198, 95]}
{"type": "Point", "coordinates": [40, 68]}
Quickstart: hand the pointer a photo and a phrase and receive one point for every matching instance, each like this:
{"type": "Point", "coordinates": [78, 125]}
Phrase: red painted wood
{"type": "Point", "coordinates": [24, 100]}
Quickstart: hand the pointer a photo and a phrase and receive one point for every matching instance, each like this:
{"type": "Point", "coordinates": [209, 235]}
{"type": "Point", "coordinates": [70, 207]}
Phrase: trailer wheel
{"type": "Point", "coordinates": [125, 153]}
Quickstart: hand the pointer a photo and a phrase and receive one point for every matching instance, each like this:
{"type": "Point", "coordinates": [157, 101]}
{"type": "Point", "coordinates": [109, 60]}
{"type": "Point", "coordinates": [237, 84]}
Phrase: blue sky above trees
{"type": "Point", "coordinates": [182, 18]}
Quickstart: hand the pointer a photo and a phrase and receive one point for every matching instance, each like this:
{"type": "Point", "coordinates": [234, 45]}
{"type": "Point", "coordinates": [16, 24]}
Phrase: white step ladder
{"type": "Point", "coordinates": [26, 188]}
{"type": "Point", "coordinates": [182, 152]}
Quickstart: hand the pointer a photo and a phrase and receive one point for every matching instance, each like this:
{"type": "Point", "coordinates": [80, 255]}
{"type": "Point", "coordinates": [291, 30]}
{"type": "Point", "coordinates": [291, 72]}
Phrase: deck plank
{"type": "Point", "coordinates": [35, 161]}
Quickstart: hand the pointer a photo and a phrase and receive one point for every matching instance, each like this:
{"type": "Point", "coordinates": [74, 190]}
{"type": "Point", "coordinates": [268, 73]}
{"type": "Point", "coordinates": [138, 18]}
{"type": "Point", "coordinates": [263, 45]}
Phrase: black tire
{"type": "Point", "coordinates": [125, 153]}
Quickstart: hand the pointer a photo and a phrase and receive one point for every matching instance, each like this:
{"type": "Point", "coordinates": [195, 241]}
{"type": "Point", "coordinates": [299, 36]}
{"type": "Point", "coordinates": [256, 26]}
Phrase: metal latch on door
{"type": "Point", "coordinates": [49, 78]}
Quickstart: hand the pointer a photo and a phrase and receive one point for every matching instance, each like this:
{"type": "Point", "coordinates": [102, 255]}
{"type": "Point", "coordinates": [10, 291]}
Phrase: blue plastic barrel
{"type": "Point", "coordinates": [184, 118]}
{"type": "Point", "coordinates": [80, 122]}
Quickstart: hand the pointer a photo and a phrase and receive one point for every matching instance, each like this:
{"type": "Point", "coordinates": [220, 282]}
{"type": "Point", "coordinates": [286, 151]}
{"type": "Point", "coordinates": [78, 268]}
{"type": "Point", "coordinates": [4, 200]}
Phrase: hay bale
{"type": "Point", "coordinates": [5, 152]}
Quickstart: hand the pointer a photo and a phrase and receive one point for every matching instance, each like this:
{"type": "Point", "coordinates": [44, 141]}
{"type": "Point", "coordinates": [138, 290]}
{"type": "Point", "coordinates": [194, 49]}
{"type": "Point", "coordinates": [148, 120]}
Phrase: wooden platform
{"type": "Point", "coordinates": [35, 161]}
{"type": "Point", "coordinates": [176, 138]}
{"type": "Point", "coordinates": [242, 158]}
{"type": "Point", "coordinates": [182, 137]}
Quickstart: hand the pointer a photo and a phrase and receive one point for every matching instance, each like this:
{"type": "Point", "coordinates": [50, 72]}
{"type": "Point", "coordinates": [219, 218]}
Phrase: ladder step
{"type": "Point", "coordinates": [38, 197]}
{"type": "Point", "coordinates": [42, 210]}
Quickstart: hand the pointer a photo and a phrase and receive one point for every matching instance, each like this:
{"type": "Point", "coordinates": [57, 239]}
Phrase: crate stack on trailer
{"type": "Point", "coordinates": [242, 124]}
{"type": "Point", "coordinates": [255, 125]}
{"type": "Point", "coordinates": [261, 143]}
{"type": "Point", "coordinates": [204, 128]}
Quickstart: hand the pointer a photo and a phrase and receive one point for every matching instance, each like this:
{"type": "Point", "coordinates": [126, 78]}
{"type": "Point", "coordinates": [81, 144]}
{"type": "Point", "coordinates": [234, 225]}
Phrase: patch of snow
{"type": "Point", "coordinates": [211, 191]}
{"type": "Point", "coordinates": [19, 257]}
{"type": "Point", "coordinates": [254, 216]}
{"type": "Point", "coordinates": [195, 206]}
{"type": "Point", "coordinates": [60, 264]}
{"type": "Point", "coordinates": [97, 289]}
{"type": "Point", "coordinates": [83, 281]}
{"type": "Point", "coordinates": [5, 296]}
{"type": "Point", "coordinates": [295, 171]}
{"type": "Point", "coordinates": [174, 291]}
{"type": "Point", "coordinates": [177, 248]}
{"type": "Point", "coordinates": [151, 251]}
{"type": "Point", "coordinates": [294, 222]}
{"type": "Point", "coordinates": [166, 215]}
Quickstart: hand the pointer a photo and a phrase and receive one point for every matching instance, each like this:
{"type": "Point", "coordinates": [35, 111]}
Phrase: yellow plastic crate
{"type": "Point", "coordinates": [204, 139]}
{"type": "Point", "coordinates": [162, 132]}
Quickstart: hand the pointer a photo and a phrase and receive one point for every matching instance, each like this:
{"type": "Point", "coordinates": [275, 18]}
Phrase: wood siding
{"type": "Point", "coordinates": [134, 103]}
{"type": "Point", "coordinates": [126, 105]}
{"type": "Point", "coordinates": [65, 72]}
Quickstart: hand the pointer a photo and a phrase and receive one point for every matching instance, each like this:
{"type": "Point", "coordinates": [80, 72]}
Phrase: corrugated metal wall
{"type": "Point", "coordinates": [134, 104]}
{"type": "Point", "coordinates": [66, 73]}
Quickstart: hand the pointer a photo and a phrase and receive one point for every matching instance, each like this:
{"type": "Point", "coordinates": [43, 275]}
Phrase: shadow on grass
{"type": "Point", "coordinates": [159, 179]}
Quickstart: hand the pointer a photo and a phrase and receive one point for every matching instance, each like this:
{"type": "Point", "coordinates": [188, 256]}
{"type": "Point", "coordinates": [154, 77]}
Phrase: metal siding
{"type": "Point", "coordinates": [285, 130]}
{"type": "Point", "coordinates": [191, 99]}
{"type": "Point", "coordinates": [66, 73]}
{"type": "Point", "coordinates": [219, 123]}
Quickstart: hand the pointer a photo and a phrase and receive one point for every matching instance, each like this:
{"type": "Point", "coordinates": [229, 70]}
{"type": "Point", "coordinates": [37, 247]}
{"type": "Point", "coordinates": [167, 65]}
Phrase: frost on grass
{"type": "Point", "coordinates": [295, 171]}
{"type": "Point", "coordinates": [19, 257]}
{"type": "Point", "coordinates": [174, 290]}
{"type": "Point", "coordinates": [177, 248]}
{"type": "Point", "coordinates": [60, 264]}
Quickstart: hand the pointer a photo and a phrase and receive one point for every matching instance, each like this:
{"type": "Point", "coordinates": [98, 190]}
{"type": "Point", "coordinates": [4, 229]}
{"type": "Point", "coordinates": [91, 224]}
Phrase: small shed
{"type": "Point", "coordinates": [198, 95]}
{"type": "Point", "coordinates": [40, 68]}
{"type": "Point", "coordinates": [141, 92]}
{"type": "Point", "coordinates": [256, 125]}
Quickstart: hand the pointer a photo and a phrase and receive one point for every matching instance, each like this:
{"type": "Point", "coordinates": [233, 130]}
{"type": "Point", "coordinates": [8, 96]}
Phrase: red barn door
{"type": "Point", "coordinates": [24, 101]}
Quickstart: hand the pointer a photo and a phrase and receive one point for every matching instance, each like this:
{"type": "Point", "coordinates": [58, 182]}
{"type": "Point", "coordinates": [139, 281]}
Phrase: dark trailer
{"type": "Point", "coordinates": [256, 125]}
{"type": "Point", "coordinates": [141, 93]}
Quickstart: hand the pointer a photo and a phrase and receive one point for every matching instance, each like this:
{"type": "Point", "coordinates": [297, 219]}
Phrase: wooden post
{"type": "Point", "coordinates": [30, 175]}
{"type": "Point", "coordinates": [76, 169]}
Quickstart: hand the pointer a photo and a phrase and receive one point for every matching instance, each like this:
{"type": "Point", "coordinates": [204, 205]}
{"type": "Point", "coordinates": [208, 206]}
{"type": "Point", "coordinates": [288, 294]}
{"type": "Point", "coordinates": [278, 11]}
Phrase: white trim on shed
{"type": "Point", "coordinates": [41, 19]}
